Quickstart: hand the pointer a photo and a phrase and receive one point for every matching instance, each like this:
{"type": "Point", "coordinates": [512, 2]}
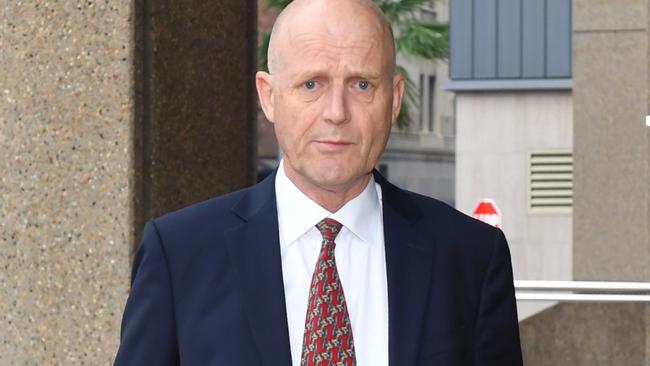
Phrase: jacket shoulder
{"type": "Point", "coordinates": [459, 239]}
{"type": "Point", "coordinates": [213, 212]}
{"type": "Point", "coordinates": [449, 219]}
{"type": "Point", "coordinates": [204, 224]}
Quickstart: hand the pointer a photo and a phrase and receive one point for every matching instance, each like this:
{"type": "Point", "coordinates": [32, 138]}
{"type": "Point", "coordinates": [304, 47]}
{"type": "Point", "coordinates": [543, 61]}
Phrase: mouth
{"type": "Point", "coordinates": [334, 142]}
{"type": "Point", "coordinates": [332, 145]}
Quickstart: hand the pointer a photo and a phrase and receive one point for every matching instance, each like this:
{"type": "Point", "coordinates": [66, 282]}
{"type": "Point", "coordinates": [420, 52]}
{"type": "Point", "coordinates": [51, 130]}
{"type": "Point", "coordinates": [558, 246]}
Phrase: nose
{"type": "Point", "coordinates": [335, 110]}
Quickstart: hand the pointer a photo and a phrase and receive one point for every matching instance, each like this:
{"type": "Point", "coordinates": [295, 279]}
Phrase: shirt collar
{"type": "Point", "coordinates": [362, 214]}
{"type": "Point", "coordinates": [297, 213]}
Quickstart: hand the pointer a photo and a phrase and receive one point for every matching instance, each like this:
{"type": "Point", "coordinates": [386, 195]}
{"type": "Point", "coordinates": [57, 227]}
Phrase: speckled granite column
{"type": "Point", "coordinates": [611, 212]}
{"type": "Point", "coordinates": [110, 112]}
{"type": "Point", "coordinates": [66, 179]}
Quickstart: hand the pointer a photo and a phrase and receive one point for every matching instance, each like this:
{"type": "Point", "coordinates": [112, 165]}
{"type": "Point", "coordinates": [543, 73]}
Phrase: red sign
{"type": "Point", "coordinates": [488, 212]}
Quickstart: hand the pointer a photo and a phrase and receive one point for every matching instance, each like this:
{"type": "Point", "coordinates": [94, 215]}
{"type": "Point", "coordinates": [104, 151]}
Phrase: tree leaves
{"type": "Point", "coordinates": [429, 40]}
{"type": "Point", "coordinates": [277, 4]}
{"type": "Point", "coordinates": [262, 52]}
{"type": "Point", "coordinates": [396, 10]}
{"type": "Point", "coordinates": [411, 99]}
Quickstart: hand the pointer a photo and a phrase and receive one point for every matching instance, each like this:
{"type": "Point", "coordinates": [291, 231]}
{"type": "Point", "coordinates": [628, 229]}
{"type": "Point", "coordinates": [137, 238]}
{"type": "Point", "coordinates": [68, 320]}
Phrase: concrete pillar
{"type": "Point", "coordinates": [612, 157]}
{"type": "Point", "coordinates": [111, 112]}
{"type": "Point", "coordinates": [612, 160]}
{"type": "Point", "coordinates": [611, 86]}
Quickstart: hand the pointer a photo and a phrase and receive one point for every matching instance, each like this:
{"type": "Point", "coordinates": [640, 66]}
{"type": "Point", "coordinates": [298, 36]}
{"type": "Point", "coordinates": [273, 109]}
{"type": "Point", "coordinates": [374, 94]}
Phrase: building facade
{"type": "Point", "coordinates": [551, 97]}
{"type": "Point", "coordinates": [511, 72]}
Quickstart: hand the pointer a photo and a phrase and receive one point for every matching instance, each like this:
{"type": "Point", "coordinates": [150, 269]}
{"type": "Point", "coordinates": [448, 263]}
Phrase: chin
{"type": "Point", "coordinates": [331, 176]}
{"type": "Point", "coordinates": [330, 180]}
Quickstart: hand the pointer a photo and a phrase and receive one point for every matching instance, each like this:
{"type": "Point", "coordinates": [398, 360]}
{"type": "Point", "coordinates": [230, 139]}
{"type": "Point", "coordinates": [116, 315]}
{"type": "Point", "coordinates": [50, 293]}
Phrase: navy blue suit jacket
{"type": "Point", "coordinates": [207, 286]}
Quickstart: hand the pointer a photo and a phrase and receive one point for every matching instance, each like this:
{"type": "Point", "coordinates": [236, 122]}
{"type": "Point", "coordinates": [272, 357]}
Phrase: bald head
{"type": "Point", "coordinates": [332, 17]}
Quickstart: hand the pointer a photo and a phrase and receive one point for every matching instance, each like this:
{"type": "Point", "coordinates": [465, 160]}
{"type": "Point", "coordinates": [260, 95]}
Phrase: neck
{"type": "Point", "coordinates": [331, 198]}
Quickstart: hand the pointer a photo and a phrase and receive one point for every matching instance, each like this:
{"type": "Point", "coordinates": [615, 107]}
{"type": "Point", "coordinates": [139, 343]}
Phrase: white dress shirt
{"type": "Point", "coordinates": [360, 260]}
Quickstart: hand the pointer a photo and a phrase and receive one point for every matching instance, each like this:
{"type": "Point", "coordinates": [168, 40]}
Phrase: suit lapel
{"type": "Point", "coordinates": [409, 262]}
{"type": "Point", "coordinates": [254, 250]}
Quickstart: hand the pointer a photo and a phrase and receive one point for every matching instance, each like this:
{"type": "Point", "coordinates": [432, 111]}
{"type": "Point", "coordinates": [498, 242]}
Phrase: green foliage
{"type": "Point", "coordinates": [411, 99]}
{"type": "Point", "coordinates": [262, 52]}
{"type": "Point", "coordinates": [396, 10]}
{"type": "Point", "coordinates": [424, 39]}
{"type": "Point", "coordinates": [414, 37]}
{"type": "Point", "coordinates": [277, 4]}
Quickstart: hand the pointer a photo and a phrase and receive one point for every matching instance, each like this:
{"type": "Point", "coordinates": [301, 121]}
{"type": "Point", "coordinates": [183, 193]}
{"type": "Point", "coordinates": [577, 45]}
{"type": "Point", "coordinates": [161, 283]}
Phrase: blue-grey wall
{"type": "Point", "coordinates": [510, 40]}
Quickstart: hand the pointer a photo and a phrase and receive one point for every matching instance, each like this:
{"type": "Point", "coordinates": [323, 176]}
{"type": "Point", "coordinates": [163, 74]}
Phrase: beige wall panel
{"type": "Point", "coordinates": [602, 15]}
{"type": "Point", "coordinates": [496, 133]}
{"type": "Point", "coordinates": [611, 156]}
{"type": "Point", "coordinates": [65, 215]}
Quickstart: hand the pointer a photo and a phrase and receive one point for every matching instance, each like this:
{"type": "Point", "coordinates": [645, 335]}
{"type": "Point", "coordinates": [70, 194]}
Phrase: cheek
{"type": "Point", "coordinates": [373, 123]}
{"type": "Point", "coordinates": [379, 139]}
{"type": "Point", "coordinates": [293, 126]}
{"type": "Point", "coordinates": [375, 133]}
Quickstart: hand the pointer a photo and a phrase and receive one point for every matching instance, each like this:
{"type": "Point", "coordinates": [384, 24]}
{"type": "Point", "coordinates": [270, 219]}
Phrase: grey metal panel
{"type": "Point", "coordinates": [508, 84]}
{"type": "Point", "coordinates": [485, 39]}
{"type": "Point", "coordinates": [460, 34]}
{"type": "Point", "coordinates": [558, 38]}
{"type": "Point", "coordinates": [509, 38]}
{"type": "Point", "coordinates": [534, 38]}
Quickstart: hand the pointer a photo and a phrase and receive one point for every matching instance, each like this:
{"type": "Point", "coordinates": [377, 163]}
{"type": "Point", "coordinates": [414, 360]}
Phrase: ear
{"type": "Point", "coordinates": [398, 95]}
{"type": "Point", "coordinates": [264, 85]}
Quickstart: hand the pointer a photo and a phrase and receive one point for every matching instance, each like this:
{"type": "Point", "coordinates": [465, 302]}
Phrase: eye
{"type": "Point", "coordinates": [310, 85]}
{"type": "Point", "coordinates": [363, 84]}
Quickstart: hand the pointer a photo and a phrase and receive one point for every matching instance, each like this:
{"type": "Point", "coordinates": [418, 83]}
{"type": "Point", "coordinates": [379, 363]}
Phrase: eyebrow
{"type": "Point", "coordinates": [350, 74]}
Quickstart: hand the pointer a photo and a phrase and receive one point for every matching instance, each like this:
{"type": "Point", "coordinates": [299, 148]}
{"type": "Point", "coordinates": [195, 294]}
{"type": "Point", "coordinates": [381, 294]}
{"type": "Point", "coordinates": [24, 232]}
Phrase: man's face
{"type": "Point", "coordinates": [333, 104]}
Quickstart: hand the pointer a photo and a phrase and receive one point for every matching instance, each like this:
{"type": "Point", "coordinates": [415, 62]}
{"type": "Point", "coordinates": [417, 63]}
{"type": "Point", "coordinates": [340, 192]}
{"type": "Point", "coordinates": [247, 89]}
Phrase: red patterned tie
{"type": "Point", "coordinates": [328, 332]}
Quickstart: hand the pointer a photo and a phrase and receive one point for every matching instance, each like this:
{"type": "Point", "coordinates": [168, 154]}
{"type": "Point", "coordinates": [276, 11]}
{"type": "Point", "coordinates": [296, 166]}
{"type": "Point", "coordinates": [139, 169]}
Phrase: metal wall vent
{"type": "Point", "coordinates": [551, 181]}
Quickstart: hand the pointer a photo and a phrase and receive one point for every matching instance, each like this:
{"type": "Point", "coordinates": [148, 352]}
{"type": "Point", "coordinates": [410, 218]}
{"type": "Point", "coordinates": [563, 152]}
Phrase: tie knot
{"type": "Point", "coordinates": [329, 228]}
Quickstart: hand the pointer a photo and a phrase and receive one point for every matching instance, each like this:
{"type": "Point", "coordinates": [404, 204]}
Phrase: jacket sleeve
{"type": "Point", "coordinates": [148, 335]}
{"type": "Point", "coordinates": [497, 327]}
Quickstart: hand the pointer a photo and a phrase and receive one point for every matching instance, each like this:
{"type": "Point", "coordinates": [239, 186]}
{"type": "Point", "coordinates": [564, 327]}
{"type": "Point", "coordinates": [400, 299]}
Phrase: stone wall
{"type": "Point", "coordinates": [111, 112]}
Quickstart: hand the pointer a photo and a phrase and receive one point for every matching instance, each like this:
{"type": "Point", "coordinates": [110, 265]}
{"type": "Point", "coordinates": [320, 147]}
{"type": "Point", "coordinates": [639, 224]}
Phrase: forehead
{"type": "Point", "coordinates": [327, 50]}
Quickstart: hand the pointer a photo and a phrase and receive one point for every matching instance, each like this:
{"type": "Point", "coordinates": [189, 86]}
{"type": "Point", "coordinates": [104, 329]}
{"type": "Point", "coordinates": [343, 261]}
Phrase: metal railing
{"type": "Point", "coordinates": [582, 291]}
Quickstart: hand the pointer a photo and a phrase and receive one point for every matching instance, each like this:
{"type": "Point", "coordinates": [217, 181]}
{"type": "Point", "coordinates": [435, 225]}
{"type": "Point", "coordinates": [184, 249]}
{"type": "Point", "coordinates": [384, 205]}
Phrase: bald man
{"type": "Point", "coordinates": [324, 262]}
